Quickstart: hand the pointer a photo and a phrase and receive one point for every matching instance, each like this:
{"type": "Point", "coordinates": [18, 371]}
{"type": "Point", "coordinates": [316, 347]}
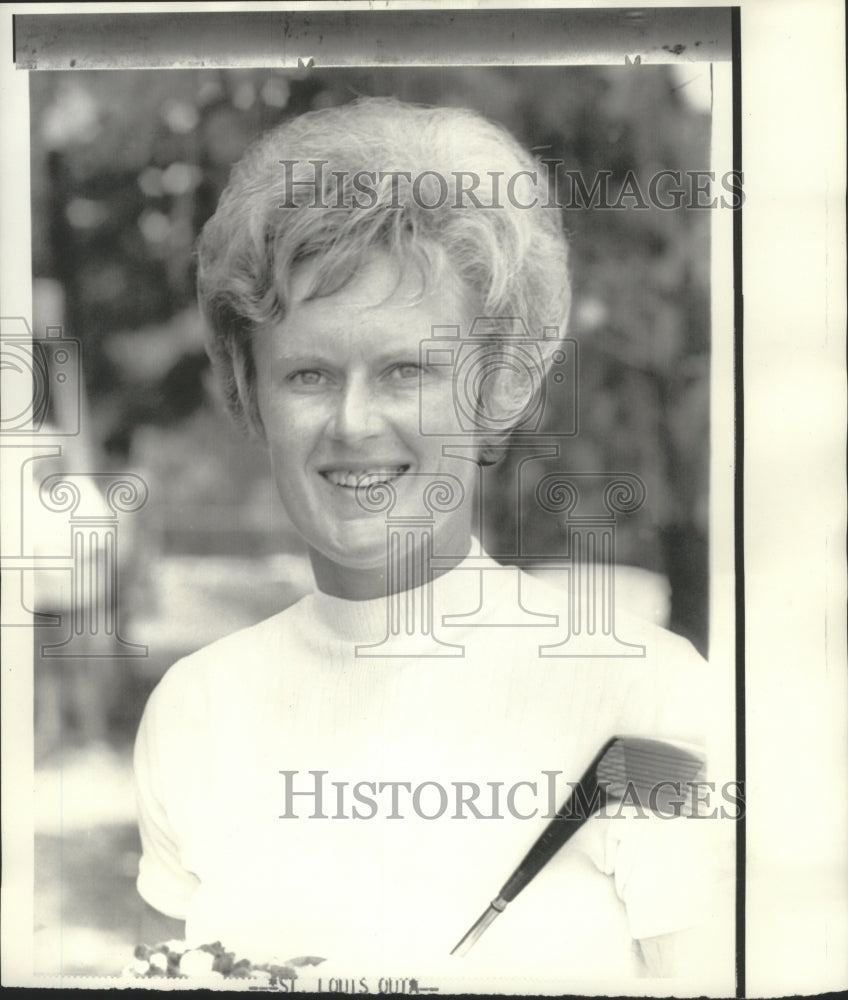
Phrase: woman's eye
{"type": "Point", "coordinates": [307, 377]}
{"type": "Point", "coordinates": [407, 370]}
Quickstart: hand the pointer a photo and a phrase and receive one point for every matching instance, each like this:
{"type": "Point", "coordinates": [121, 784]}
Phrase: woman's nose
{"type": "Point", "coordinates": [356, 413]}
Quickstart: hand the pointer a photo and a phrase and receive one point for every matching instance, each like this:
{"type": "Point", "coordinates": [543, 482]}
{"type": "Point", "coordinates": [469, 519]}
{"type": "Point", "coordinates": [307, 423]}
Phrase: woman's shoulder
{"type": "Point", "coordinates": [255, 651]}
{"type": "Point", "coordinates": [648, 677]}
{"type": "Point", "coordinates": [631, 626]}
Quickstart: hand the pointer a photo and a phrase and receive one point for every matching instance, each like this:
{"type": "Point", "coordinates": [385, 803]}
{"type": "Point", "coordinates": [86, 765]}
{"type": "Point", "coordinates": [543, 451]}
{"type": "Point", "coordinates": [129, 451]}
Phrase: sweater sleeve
{"type": "Point", "coordinates": [674, 873]}
{"type": "Point", "coordinates": [159, 760]}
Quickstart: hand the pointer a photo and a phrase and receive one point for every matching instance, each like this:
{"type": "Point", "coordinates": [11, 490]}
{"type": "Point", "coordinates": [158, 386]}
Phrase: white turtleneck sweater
{"type": "Point", "coordinates": [228, 849]}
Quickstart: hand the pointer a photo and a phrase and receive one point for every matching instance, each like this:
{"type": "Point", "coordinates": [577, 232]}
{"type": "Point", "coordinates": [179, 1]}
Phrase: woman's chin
{"type": "Point", "coordinates": [356, 558]}
{"type": "Point", "coordinates": [354, 553]}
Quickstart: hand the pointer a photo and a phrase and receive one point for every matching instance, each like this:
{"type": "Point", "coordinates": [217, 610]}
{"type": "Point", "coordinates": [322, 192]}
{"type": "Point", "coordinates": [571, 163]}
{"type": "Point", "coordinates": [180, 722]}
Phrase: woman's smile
{"type": "Point", "coordinates": [352, 479]}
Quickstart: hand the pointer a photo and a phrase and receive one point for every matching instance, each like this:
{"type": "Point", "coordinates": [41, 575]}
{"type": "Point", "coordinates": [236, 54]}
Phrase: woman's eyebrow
{"type": "Point", "coordinates": [290, 357]}
{"type": "Point", "coordinates": [398, 354]}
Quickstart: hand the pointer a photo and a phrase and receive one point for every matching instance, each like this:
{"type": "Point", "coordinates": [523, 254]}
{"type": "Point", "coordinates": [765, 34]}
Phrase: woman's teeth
{"type": "Point", "coordinates": [350, 480]}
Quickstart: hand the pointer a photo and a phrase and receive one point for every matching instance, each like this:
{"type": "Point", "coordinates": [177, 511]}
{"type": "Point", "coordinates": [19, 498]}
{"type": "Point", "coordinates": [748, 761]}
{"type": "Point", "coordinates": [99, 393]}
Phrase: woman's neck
{"type": "Point", "coordinates": [404, 571]}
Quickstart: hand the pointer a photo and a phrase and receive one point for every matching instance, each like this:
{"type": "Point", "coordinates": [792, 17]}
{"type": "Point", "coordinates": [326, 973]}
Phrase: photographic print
{"type": "Point", "coordinates": [373, 500]}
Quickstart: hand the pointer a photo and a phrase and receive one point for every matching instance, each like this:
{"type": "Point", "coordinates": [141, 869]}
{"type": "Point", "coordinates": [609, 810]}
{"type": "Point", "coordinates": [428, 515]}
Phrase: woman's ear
{"type": "Point", "coordinates": [509, 390]}
{"type": "Point", "coordinates": [505, 401]}
{"type": "Point", "coordinates": [491, 452]}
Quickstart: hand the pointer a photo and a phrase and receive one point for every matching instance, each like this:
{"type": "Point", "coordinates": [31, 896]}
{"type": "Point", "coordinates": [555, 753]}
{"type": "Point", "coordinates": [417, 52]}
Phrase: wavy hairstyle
{"type": "Point", "coordinates": [327, 186]}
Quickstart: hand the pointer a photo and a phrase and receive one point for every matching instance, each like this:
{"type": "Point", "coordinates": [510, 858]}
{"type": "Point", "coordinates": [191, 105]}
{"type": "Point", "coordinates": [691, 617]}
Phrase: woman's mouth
{"type": "Point", "coordinates": [350, 479]}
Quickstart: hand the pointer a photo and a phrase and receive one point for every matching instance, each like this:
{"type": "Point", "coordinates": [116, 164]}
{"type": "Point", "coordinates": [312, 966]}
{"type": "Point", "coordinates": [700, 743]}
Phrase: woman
{"type": "Point", "coordinates": [325, 782]}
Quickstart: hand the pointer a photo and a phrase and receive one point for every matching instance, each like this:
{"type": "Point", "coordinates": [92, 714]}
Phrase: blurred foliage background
{"type": "Point", "coordinates": [125, 169]}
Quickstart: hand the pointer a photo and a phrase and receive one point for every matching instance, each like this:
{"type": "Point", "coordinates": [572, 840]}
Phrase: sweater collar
{"type": "Point", "coordinates": [370, 621]}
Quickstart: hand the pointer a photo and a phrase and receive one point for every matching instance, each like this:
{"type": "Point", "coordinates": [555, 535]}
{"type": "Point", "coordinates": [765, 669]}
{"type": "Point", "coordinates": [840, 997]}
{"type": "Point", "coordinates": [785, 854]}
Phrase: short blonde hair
{"type": "Point", "coordinates": [332, 186]}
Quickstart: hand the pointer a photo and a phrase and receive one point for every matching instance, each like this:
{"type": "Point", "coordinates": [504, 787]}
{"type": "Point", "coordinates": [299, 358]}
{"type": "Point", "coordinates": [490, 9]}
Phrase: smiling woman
{"type": "Point", "coordinates": [383, 349]}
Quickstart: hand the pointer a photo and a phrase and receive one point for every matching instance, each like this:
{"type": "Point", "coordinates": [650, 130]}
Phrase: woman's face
{"type": "Point", "coordinates": [346, 401]}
